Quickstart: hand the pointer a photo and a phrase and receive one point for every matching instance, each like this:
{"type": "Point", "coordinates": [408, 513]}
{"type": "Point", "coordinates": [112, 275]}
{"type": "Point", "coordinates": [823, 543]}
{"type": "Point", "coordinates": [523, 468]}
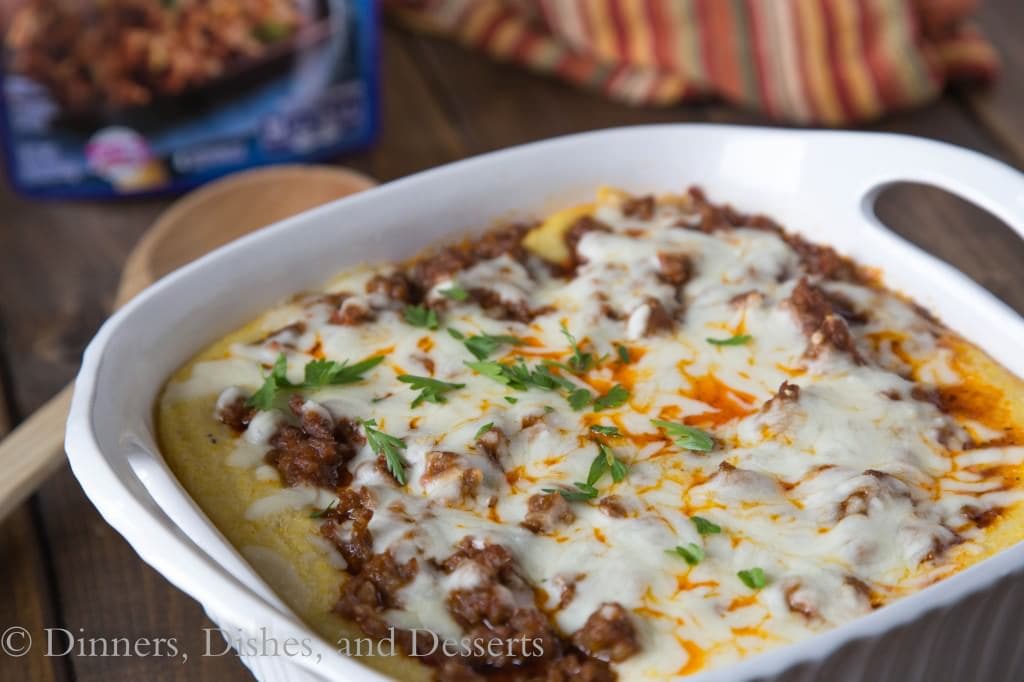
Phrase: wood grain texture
{"type": "Point", "coordinates": [29, 602]}
{"type": "Point", "coordinates": [60, 265]}
{"type": "Point", "coordinates": [1000, 108]}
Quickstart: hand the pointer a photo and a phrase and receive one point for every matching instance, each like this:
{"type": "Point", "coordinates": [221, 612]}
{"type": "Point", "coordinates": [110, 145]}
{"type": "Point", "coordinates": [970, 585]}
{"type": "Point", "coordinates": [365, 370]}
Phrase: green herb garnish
{"type": "Point", "coordinates": [615, 397]}
{"type": "Point", "coordinates": [484, 344]}
{"type": "Point", "coordinates": [738, 340]}
{"type": "Point", "coordinates": [705, 527]}
{"type": "Point", "coordinates": [455, 292]}
{"type": "Point", "coordinates": [456, 334]}
{"type": "Point", "coordinates": [431, 390]}
{"type": "Point", "coordinates": [606, 461]}
{"type": "Point", "coordinates": [753, 578]}
{"type": "Point", "coordinates": [483, 429]}
{"type": "Point", "coordinates": [623, 354]}
{"type": "Point", "coordinates": [421, 316]}
{"type": "Point", "coordinates": [686, 437]}
{"type": "Point", "coordinates": [511, 400]}
{"type": "Point", "coordinates": [388, 446]}
{"type": "Point", "coordinates": [579, 398]}
{"type": "Point", "coordinates": [692, 553]}
{"type": "Point", "coordinates": [318, 373]}
{"type": "Point", "coordinates": [612, 431]}
{"type": "Point", "coordinates": [583, 492]}
{"type": "Point", "coordinates": [580, 362]}
{"type": "Point", "coordinates": [321, 513]}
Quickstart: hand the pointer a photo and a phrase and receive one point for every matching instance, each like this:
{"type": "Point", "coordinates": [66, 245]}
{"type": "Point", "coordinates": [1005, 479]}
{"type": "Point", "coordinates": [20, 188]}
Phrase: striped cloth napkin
{"type": "Point", "coordinates": [818, 62]}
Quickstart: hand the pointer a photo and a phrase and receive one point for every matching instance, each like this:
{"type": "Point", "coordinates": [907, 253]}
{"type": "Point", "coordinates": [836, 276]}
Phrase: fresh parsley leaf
{"type": "Point", "coordinates": [484, 344]}
{"type": "Point", "coordinates": [693, 554]}
{"type": "Point", "coordinates": [753, 578]}
{"type": "Point", "coordinates": [456, 334]}
{"type": "Point", "coordinates": [421, 316]}
{"type": "Point", "coordinates": [619, 471]}
{"type": "Point", "coordinates": [511, 400]}
{"type": "Point", "coordinates": [738, 340]}
{"type": "Point", "coordinates": [516, 376]}
{"type": "Point", "coordinates": [614, 465]}
{"type": "Point", "coordinates": [612, 431]}
{"type": "Point", "coordinates": [543, 377]}
{"type": "Point", "coordinates": [321, 513]}
{"type": "Point", "coordinates": [431, 390]}
{"type": "Point", "coordinates": [579, 398]}
{"type": "Point", "coordinates": [320, 373]}
{"type": "Point", "coordinates": [491, 370]}
{"type": "Point", "coordinates": [388, 446]}
{"type": "Point", "coordinates": [455, 292]}
{"type": "Point", "coordinates": [686, 437]}
{"type": "Point", "coordinates": [705, 527]}
{"type": "Point", "coordinates": [615, 397]}
{"type": "Point", "coordinates": [483, 429]}
{"type": "Point", "coordinates": [597, 469]}
{"type": "Point", "coordinates": [580, 362]}
{"type": "Point", "coordinates": [623, 354]}
{"type": "Point", "coordinates": [263, 399]}
{"type": "Point", "coordinates": [583, 492]}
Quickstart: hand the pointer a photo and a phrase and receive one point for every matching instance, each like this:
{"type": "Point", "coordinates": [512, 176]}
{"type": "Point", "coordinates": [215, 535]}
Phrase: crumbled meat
{"type": "Point", "coordinates": [494, 443]}
{"type": "Point", "coordinates": [373, 590]}
{"type": "Point", "coordinates": [787, 393]}
{"type": "Point", "coordinates": [833, 333]}
{"type": "Point", "coordinates": [817, 319]}
{"type": "Point", "coordinates": [236, 414]}
{"type": "Point", "coordinates": [747, 298]}
{"type": "Point", "coordinates": [493, 608]}
{"type": "Point", "coordinates": [285, 336]}
{"type": "Point", "coordinates": [575, 233]}
{"type": "Point", "coordinates": [547, 511]}
{"type": "Point", "coordinates": [434, 267]}
{"type": "Point", "coordinates": [351, 312]}
{"type": "Point", "coordinates": [659, 319]}
{"type": "Point", "coordinates": [810, 305]}
{"type": "Point", "coordinates": [799, 599]}
{"type": "Point", "coordinates": [578, 668]}
{"type": "Point", "coordinates": [346, 525]}
{"type": "Point", "coordinates": [981, 517]}
{"type": "Point", "coordinates": [874, 485]}
{"type": "Point", "coordinates": [823, 260]}
{"type": "Point", "coordinates": [608, 634]}
{"type": "Point", "coordinates": [313, 456]}
{"type": "Point", "coordinates": [639, 207]}
{"type": "Point", "coordinates": [395, 286]}
{"type": "Point", "coordinates": [674, 268]}
{"type": "Point", "coordinates": [503, 309]}
{"type": "Point", "coordinates": [613, 506]}
{"type": "Point", "coordinates": [846, 309]}
{"type": "Point", "coordinates": [450, 466]}
{"type": "Point", "coordinates": [566, 588]}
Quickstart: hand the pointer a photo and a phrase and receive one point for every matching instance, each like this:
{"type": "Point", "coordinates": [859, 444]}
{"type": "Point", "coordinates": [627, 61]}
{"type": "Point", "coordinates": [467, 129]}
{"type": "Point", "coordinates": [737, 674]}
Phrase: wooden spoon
{"type": "Point", "coordinates": [192, 226]}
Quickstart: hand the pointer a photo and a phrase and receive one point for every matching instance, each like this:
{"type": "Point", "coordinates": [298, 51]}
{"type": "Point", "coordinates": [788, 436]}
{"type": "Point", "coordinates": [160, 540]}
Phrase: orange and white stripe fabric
{"type": "Point", "coordinates": [820, 62]}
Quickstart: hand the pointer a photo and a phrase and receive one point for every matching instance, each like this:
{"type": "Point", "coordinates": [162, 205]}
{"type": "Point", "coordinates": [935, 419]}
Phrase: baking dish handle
{"type": "Point", "coordinates": [990, 184]}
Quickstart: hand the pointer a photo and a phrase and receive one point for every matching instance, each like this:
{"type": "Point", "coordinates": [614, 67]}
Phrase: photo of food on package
{"type": "Point", "coordinates": [121, 97]}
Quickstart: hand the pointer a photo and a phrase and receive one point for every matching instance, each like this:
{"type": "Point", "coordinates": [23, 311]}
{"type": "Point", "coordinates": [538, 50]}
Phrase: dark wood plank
{"type": "Point", "coordinates": [1001, 107]}
{"type": "Point", "coordinates": [29, 603]}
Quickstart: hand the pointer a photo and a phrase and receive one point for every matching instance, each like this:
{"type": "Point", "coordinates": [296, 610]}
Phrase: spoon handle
{"type": "Point", "coordinates": [33, 451]}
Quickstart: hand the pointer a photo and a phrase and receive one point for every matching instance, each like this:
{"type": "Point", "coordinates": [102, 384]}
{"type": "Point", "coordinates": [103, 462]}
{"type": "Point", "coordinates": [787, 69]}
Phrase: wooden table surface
{"type": "Point", "coordinates": [61, 566]}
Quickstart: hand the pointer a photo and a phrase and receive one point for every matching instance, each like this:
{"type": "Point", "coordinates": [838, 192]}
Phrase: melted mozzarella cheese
{"type": "Point", "coordinates": [845, 497]}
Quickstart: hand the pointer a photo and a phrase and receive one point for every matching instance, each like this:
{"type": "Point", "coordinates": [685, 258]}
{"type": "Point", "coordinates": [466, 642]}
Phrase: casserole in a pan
{"type": "Point", "coordinates": [647, 437]}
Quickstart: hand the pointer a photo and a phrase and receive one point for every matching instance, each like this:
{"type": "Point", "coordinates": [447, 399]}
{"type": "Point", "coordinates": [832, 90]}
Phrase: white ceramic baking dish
{"type": "Point", "coordinates": [822, 184]}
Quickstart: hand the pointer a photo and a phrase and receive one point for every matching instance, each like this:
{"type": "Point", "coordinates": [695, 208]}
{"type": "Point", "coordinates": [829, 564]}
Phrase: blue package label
{"type": "Point", "coordinates": [109, 98]}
